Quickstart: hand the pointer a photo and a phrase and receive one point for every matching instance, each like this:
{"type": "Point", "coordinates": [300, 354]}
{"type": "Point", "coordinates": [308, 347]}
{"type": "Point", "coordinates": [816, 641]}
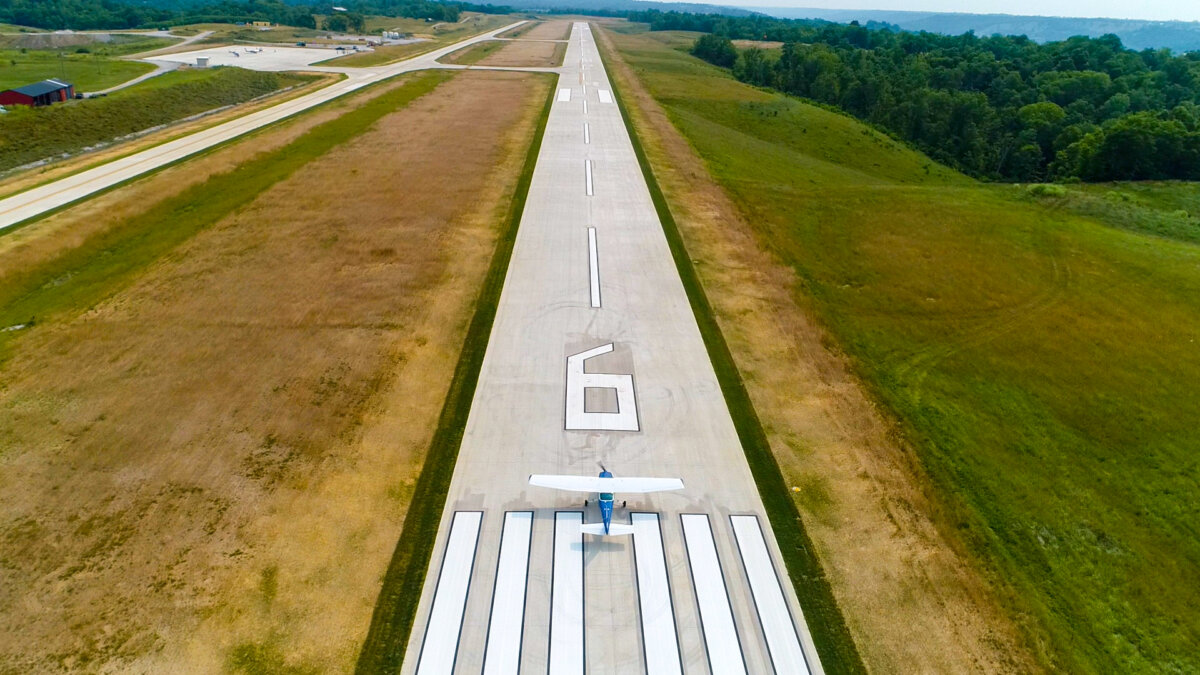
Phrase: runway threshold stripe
{"type": "Point", "coordinates": [507, 622]}
{"type": "Point", "coordinates": [587, 170]}
{"type": "Point", "coordinates": [605, 96]}
{"type": "Point", "coordinates": [783, 643]}
{"type": "Point", "coordinates": [654, 597]}
{"type": "Point", "coordinates": [440, 648]}
{"type": "Point", "coordinates": [712, 596]}
{"type": "Point", "coordinates": [594, 267]}
{"type": "Point", "coordinates": [566, 596]}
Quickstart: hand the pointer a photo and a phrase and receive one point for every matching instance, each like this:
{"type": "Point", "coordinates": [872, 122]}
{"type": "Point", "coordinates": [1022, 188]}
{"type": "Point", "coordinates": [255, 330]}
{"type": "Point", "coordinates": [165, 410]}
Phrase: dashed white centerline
{"type": "Point", "coordinates": [587, 133]}
{"type": "Point", "coordinates": [585, 106]}
{"type": "Point", "coordinates": [782, 642]}
{"type": "Point", "coordinates": [566, 596]}
{"type": "Point", "coordinates": [587, 171]}
{"type": "Point", "coordinates": [594, 267]}
{"type": "Point", "coordinates": [654, 597]}
{"type": "Point", "coordinates": [505, 627]}
{"type": "Point", "coordinates": [450, 599]}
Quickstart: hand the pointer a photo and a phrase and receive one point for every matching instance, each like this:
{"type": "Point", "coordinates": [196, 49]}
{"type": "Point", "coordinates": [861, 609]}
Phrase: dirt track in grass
{"type": "Point", "coordinates": [211, 466]}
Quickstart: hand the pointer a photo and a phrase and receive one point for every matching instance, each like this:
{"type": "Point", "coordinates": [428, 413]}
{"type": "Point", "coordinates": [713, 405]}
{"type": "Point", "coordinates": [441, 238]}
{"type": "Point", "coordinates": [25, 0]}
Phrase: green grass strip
{"type": "Point", "coordinates": [391, 623]}
{"type": "Point", "coordinates": [99, 267]}
{"type": "Point", "coordinates": [832, 638]}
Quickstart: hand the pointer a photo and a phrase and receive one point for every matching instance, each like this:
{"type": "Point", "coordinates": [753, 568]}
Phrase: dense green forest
{"type": "Point", "coordinates": [115, 14]}
{"type": "Point", "coordinates": [1001, 108]}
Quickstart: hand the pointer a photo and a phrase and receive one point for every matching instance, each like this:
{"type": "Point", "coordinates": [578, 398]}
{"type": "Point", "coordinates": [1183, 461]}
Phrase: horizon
{"type": "Point", "coordinates": [1151, 10]}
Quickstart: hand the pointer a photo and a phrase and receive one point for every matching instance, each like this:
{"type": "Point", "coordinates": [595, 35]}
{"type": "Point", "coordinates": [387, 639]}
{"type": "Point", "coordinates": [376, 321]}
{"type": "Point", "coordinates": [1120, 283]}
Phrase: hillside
{"type": "Point", "coordinates": [31, 134]}
{"type": "Point", "coordinates": [1179, 36]}
{"type": "Point", "coordinates": [1039, 362]}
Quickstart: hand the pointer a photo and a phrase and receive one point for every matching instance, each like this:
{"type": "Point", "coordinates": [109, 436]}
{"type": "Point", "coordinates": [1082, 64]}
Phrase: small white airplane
{"type": "Point", "coordinates": [605, 485]}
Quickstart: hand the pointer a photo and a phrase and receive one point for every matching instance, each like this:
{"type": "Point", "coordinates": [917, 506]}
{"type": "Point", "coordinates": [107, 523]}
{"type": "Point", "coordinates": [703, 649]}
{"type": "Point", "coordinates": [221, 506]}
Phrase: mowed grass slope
{"type": "Point", "coordinates": [1043, 364]}
{"type": "Point", "coordinates": [32, 134]}
{"type": "Point", "coordinates": [210, 435]}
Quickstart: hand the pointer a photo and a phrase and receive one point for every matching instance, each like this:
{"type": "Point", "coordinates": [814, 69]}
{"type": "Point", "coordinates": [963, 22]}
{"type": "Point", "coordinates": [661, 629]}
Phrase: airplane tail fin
{"type": "Point", "coordinates": [615, 529]}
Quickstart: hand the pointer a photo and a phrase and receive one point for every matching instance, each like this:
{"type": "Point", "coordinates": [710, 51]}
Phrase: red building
{"type": "Point", "coordinates": [38, 93]}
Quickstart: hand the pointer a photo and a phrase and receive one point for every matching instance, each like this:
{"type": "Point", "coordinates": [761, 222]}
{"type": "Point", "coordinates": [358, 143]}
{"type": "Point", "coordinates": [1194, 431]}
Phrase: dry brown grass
{"type": "Point", "coordinates": [526, 54]}
{"type": "Point", "coordinates": [23, 180]}
{"type": "Point", "coordinates": [757, 44]}
{"type": "Point", "coordinates": [912, 603]}
{"type": "Point", "coordinates": [211, 467]}
{"type": "Point", "coordinates": [510, 53]}
{"type": "Point", "coordinates": [548, 30]}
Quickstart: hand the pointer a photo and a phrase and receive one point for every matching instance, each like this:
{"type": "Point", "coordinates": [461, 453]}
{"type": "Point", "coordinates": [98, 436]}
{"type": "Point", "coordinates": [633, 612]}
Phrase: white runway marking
{"type": "Point", "coordinates": [564, 95]}
{"type": "Point", "coordinates": [605, 96]}
{"type": "Point", "coordinates": [587, 170]}
{"type": "Point", "coordinates": [594, 267]}
{"type": "Point", "coordinates": [578, 419]}
{"type": "Point", "coordinates": [507, 622]}
{"type": "Point", "coordinates": [587, 133]}
{"type": "Point", "coordinates": [654, 597]}
{"type": "Point", "coordinates": [773, 613]}
{"type": "Point", "coordinates": [566, 596]}
{"type": "Point", "coordinates": [585, 106]}
{"type": "Point", "coordinates": [450, 599]}
{"type": "Point", "coordinates": [716, 614]}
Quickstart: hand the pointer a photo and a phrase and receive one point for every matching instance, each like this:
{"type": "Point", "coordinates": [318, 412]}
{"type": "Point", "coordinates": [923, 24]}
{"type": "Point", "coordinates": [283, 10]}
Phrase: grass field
{"type": "Point", "coordinates": [440, 34]}
{"type": "Point", "coordinates": [514, 53]}
{"type": "Point", "coordinates": [289, 355]}
{"type": "Point", "coordinates": [1164, 209]}
{"type": "Point", "coordinates": [31, 134]}
{"type": "Point", "coordinates": [80, 44]}
{"type": "Point", "coordinates": [552, 29]}
{"type": "Point", "coordinates": [1041, 363]}
{"type": "Point", "coordinates": [471, 55]}
{"type": "Point", "coordinates": [87, 72]}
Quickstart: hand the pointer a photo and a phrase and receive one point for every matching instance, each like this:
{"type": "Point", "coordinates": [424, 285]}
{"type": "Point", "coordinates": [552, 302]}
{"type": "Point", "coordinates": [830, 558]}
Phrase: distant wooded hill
{"type": "Point", "coordinates": [1179, 36]}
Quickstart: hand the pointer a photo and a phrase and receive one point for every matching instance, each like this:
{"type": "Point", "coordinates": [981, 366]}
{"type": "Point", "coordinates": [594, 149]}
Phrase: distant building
{"type": "Point", "coordinates": [38, 93]}
{"type": "Point", "coordinates": [261, 24]}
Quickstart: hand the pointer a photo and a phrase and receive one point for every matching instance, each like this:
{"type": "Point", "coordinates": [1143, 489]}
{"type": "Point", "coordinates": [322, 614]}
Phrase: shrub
{"type": "Point", "coordinates": [1046, 190]}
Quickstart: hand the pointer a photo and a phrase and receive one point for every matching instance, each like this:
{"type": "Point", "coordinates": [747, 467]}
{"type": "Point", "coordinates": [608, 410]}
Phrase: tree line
{"type": "Point", "coordinates": [999, 108]}
{"type": "Point", "coordinates": [119, 14]}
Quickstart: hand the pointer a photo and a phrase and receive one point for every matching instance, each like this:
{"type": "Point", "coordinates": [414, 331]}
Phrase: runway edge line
{"type": "Point", "coordinates": [392, 619]}
{"type": "Point", "coordinates": [835, 645]}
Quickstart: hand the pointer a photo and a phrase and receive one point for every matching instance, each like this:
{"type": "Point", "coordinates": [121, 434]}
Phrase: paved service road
{"type": "Point", "coordinates": [37, 201]}
{"type": "Point", "coordinates": [591, 268]}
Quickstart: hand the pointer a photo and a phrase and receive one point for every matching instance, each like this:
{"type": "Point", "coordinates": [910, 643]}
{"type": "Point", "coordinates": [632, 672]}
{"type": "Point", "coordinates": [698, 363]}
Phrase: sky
{"type": "Point", "coordinates": [1156, 10]}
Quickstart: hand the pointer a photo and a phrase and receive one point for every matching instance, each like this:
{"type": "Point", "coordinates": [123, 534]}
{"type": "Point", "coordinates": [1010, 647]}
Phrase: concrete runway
{"type": "Point", "coordinates": [718, 601]}
{"type": "Point", "coordinates": [37, 201]}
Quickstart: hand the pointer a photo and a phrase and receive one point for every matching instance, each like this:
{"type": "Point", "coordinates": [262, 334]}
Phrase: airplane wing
{"type": "Point", "coordinates": [628, 484]}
